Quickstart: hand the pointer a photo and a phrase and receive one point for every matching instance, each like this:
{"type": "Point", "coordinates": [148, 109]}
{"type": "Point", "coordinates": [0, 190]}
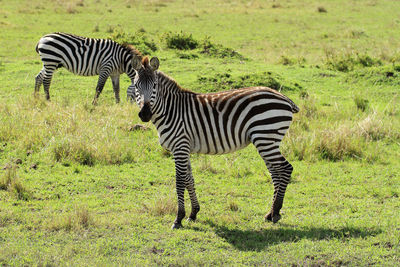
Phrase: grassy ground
{"type": "Point", "coordinates": [80, 185]}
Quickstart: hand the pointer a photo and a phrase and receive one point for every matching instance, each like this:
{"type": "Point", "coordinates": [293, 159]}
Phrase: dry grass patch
{"type": "Point", "coordinates": [163, 205]}
{"type": "Point", "coordinates": [11, 183]}
{"type": "Point", "coordinates": [338, 144]}
{"type": "Point", "coordinates": [78, 219]}
{"type": "Point", "coordinates": [376, 127]}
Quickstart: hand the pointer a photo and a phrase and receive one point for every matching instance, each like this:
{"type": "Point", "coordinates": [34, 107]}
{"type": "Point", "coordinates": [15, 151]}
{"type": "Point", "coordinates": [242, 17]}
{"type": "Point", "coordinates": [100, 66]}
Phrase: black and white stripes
{"type": "Point", "coordinates": [215, 123]}
{"type": "Point", "coordinates": [86, 57]}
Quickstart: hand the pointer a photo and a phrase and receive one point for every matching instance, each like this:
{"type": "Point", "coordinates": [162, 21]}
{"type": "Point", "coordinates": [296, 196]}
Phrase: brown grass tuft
{"type": "Point", "coordinates": [163, 205]}
{"type": "Point", "coordinates": [338, 144]}
{"type": "Point", "coordinates": [78, 219]}
{"type": "Point", "coordinates": [13, 185]}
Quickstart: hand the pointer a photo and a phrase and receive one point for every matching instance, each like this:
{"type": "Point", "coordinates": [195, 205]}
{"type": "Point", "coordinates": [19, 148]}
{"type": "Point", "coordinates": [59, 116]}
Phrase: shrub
{"type": "Point", "coordinates": [225, 81]}
{"type": "Point", "coordinates": [348, 62]}
{"type": "Point", "coordinates": [378, 75]}
{"type": "Point", "coordinates": [185, 41]}
{"type": "Point", "coordinates": [139, 39]}
{"type": "Point", "coordinates": [218, 50]}
{"type": "Point", "coordinates": [180, 41]}
{"type": "Point", "coordinates": [361, 103]}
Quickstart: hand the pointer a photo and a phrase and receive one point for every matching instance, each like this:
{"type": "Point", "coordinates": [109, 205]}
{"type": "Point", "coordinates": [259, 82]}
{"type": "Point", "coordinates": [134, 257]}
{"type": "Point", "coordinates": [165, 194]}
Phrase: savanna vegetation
{"type": "Point", "coordinates": [89, 185]}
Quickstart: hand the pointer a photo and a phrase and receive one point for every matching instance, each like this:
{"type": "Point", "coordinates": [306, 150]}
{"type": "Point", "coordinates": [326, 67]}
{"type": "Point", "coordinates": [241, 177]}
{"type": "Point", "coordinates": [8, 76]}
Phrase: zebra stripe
{"type": "Point", "coordinates": [215, 123]}
{"type": "Point", "coordinates": [86, 57]}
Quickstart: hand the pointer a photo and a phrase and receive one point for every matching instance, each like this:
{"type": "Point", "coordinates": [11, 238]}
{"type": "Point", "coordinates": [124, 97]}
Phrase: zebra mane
{"type": "Point", "coordinates": [132, 50]}
{"type": "Point", "coordinates": [175, 86]}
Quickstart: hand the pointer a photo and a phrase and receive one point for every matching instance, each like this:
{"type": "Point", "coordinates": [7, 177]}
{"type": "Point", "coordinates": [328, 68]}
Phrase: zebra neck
{"type": "Point", "coordinates": [170, 101]}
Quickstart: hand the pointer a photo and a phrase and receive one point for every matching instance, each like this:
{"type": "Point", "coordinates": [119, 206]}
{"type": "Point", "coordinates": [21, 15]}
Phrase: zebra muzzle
{"type": "Point", "coordinates": [145, 113]}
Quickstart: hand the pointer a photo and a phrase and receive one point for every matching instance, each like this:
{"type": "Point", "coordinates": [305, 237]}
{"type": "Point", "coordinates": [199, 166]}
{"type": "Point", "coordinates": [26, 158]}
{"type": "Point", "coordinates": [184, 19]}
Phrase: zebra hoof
{"type": "Point", "coordinates": [268, 217]}
{"type": "Point", "coordinates": [191, 219]}
{"type": "Point", "coordinates": [272, 218]}
{"type": "Point", "coordinates": [276, 218]}
{"type": "Point", "coordinates": [176, 226]}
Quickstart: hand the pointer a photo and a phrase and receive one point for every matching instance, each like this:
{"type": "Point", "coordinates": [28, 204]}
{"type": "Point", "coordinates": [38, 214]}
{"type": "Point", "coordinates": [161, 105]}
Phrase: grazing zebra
{"type": "Point", "coordinates": [214, 123]}
{"type": "Point", "coordinates": [86, 57]}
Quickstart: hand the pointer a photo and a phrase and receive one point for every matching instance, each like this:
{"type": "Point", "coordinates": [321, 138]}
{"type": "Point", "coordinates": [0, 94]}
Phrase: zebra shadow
{"type": "Point", "coordinates": [257, 240]}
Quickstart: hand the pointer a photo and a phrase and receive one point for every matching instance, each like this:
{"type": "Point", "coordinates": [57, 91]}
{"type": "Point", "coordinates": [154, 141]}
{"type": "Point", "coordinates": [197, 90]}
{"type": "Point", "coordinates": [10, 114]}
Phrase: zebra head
{"type": "Point", "coordinates": [145, 85]}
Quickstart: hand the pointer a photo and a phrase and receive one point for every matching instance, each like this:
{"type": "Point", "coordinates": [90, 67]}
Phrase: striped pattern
{"type": "Point", "coordinates": [216, 123]}
{"type": "Point", "coordinates": [86, 57]}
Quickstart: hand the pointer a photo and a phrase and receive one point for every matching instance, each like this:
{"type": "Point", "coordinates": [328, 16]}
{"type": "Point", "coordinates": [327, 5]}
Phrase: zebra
{"type": "Point", "coordinates": [214, 123]}
{"type": "Point", "coordinates": [86, 57]}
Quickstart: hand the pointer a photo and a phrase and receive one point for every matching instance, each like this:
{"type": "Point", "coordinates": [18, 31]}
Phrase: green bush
{"type": "Point", "coordinates": [349, 62]}
{"type": "Point", "coordinates": [225, 81]}
{"type": "Point", "coordinates": [180, 41]}
{"type": "Point", "coordinates": [139, 39]}
{"type": "Point", "coordinates": [218, 50]}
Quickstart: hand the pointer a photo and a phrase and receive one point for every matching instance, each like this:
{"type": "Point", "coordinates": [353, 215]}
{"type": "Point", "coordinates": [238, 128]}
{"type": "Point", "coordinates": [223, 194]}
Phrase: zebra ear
{"type": "Point", "coordinates": [154, 63]}
{"type": "Point", "coordinates": [136, 63]}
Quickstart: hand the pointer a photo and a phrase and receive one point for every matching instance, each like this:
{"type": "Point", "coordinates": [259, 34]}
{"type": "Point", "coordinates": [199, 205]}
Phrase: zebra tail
{"type": "Point", "coordinates": [295, 108]}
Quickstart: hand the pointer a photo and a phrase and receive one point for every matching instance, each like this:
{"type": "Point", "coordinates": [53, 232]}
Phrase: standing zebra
{"type": "Point", "coordinates": [214, 123]}
{"type": "Point", "coordinates": [86, 57]}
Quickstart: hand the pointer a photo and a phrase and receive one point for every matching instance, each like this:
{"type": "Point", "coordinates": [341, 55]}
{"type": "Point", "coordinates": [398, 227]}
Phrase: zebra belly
{"type": "Point", "coordinates": [217, 150]}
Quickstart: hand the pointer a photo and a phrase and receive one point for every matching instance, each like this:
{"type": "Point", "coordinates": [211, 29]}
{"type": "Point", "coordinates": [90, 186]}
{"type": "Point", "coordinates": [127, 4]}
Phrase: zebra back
{"type": "Point", "coordinates": [86, 56]}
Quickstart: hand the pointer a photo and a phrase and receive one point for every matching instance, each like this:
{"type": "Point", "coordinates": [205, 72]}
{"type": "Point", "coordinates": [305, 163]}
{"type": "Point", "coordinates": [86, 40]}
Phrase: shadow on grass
{"type": "Point", "coordinates": [256, 240]}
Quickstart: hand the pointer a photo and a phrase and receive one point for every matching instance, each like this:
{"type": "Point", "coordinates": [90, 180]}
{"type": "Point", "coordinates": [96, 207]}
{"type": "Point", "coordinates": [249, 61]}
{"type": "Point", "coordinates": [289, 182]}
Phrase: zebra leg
{"type": "Point", "coordinates": [100, 85]}
{"type": "Point", "coordinates": [275, 180]}
{"type": "Point", "coordinates": [48, 74]}
{"type": "Point", "coordinates": [181, 157]}
{"type": "Point", "coordinates": [39, 81]}
{"type": "Point", "coordinates": [115, 83]}
{"type": "Point", "coordinates": [130, 93]}
{"type": "Point", "coordinates": [192, 195]}
{"type": "Point", "coordinates": [280, 170]}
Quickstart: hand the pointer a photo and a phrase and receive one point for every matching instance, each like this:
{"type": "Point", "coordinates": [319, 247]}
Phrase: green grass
{"type": "Point", "coordinates": [83, 185]}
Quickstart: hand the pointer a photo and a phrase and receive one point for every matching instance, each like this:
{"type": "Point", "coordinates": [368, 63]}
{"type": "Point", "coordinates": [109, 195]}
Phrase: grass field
{"type": "Point", "coordinates": [80, 185]}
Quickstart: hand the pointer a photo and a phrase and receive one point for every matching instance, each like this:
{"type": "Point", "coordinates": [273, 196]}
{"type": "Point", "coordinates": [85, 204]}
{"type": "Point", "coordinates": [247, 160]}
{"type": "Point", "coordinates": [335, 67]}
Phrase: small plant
{"type": "Point", "coordinates": [233, 206]}
{"type": "Point", "coordinates": [285, 60]}
{"type": "Point", "coordinates": [322, 9]}
{"type": "Point", "coordinates": [361, 103]}
{"type": "Point", "coordinates": [187, 55]}
{"type": "Point", "coordinates": [180, 41]}
{"type": "Point", "coordinates": [13, 185]}
{"type": "Point", "coordinates": [71, 8]}
{"type": "Point", "coordinates": [96, 28]}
